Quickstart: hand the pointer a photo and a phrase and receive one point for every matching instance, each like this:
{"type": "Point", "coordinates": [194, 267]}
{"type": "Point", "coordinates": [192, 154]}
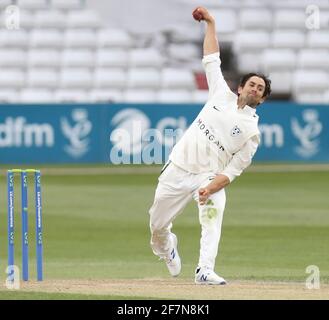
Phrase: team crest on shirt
{"type": "Point", "coordinates": [235, 131]}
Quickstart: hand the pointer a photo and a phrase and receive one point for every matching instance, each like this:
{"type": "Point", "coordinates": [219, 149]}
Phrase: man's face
{"type": "Point", "coordinates": [252, 92]}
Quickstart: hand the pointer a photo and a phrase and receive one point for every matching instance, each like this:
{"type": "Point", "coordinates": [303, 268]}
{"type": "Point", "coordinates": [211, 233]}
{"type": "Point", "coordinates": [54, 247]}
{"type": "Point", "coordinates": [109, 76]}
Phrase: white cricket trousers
{"type": "Point", "coordinates": [175, 189]}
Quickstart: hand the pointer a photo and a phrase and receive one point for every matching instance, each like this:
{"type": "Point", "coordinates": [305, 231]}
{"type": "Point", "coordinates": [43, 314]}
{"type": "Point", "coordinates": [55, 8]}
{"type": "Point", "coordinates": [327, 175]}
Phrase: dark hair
{"type": "Point", "coordinates": [267, 81]}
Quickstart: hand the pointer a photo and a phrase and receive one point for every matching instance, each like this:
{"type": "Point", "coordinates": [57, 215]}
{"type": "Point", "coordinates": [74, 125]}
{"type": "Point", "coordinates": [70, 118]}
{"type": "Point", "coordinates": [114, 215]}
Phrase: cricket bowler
{"type": "Point", "coordinates": [214, 150]}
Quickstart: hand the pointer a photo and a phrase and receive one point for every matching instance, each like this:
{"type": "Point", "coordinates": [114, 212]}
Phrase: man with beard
{"type": "Point", "coordinates": [214, 150]}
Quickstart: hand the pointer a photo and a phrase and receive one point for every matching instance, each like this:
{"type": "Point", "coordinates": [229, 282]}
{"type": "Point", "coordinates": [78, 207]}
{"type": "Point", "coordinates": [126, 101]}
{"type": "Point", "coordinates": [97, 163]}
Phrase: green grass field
{"type": "Point", "coordinates": [96, 227]}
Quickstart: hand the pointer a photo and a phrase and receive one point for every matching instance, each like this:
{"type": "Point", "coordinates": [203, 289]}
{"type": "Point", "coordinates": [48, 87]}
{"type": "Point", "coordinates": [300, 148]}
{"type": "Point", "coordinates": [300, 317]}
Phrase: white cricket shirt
{"type": "Point", "coordinates": [222, 139]}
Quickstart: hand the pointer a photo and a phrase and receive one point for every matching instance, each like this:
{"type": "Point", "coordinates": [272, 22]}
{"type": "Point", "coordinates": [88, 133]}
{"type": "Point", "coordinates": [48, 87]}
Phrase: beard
{"type": "Point", "coordinates": [249, 100]}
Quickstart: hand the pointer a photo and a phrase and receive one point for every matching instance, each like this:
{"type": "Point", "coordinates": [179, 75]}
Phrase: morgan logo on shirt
{"type": "Point", "coordinates": [235, 131]}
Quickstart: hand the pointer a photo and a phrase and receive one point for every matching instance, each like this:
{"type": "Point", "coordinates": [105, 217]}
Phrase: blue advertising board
{"type": "Point", "coordinates": [145, 133]}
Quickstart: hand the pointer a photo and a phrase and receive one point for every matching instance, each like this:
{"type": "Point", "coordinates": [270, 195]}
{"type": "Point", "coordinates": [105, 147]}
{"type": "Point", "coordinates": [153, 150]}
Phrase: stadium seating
{"type": "Point", "coordinates": [291, 39]}
{"type": "Point", "coordinates": [44, 58]}
{"type": "Point", "coordinates": [174, 96]}
{"type": "Point", "coordinates": [229, 21]}
{"type": "Point", "coordinates": [45, 38]}
{"type": "Point", "coordinates": [104, 95]}
{"type": "Point", "coordinates": [50, 19]}
{"type": "Point", "coordinates": [326, 97]}
{"type": "Point", "coordinates": [200, 96]}
{"type": "Point", "coordinates": [110, 78]}
{"type": "Point", "coordinates": [12, 78]}
{"type": "Point", "coordinates": [255, 19]}
{"type": "Point", "coordinates": [13, 38]}
{"type": "Point", "coordinates": [4, 4]}
{"type": "Point", "coordinates": [42, 78]}
{"type": "Point", "coordinates": [8, 96]}
{"type": "Point", "coordinates": [289, 18]}
{"type": "Point", "coordinates": [251, 40]}
{"type": "Point", "coordinates": [71, 50]}
{"type": "Point", "coordinates": [139, 95]}
{"type": "Point", "coordinates": [318, 39]}
{"type": "Point", "coordinates": [33, 4]}
{"type": "Point", "coordinates": [78, 58]}
{"type": "Point", "coordinates": [183, 52]}
{"type": "Point", "coordinates": [114, 38]}
{"type": "Point", "coordinates": [13, 58]}
{"type": "Point", "coordinates": [313, 58]}
{"type": "Point", "coordinates": [308, 97]}
{"type": "Point", "coordinates": [324, 19]}
{"type": "Point", "coordinates": [26, 20]}
{"type": "Point", "coordinates": [173, 78]}
{"type": "Point", "coordinates": [249, 61]}
{"type": "Point", "coordinates": [278, 59]}
{"type": "Point", "coordinates": [70, 95]}
{"type": "Point", "coordinates": [310, 81]}
{"type": "Point", "coordinates": [145, 57]}
{"type": "Point", "coordinates": [83, 19]}
{"type": "Point", "coordinates": [112, 58]}
{"type": "Point", "coordinates": [75, 78]}
{"type": "Point", "coordinates": [66, 4]}
{"type": "Point", "coordinates": [36, 96]}
{"type": "Point", "coordinates": [281, 81]}
{"type": "Point", "coordinates": [143, 78]}
{"type": "Point", "coordinates": [80, 38]}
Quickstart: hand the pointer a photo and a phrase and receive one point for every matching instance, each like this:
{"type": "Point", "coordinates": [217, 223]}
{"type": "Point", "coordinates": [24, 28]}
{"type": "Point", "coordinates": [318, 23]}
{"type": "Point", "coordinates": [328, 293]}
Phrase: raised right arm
{"type": "Point", "coordinates": [210, 43]}
{"type": "Point", "coordinates": [211, 60]}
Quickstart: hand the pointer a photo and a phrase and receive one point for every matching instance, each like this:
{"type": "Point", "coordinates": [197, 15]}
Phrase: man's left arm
{"type": "Point", "coordinates": [240, 161]}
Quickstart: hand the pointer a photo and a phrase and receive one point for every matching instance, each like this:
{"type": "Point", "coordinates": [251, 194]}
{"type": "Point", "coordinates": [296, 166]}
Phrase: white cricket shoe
{"type": "Point", "coordinates": [172, 259]}
{"type": "Point", "coordinates": [208, 276]}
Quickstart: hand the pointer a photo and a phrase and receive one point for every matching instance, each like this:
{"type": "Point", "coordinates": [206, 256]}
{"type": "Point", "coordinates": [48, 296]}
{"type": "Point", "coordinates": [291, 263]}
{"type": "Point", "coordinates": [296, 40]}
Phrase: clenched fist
{"type": "Point", "coordinates": [201, 13]}
{"type": "Point", "coordinates": [203, 195]}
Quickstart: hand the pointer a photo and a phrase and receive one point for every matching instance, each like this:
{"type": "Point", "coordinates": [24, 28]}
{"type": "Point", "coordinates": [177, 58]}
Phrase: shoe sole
{"type": "Point", "coordinates": [223, 283]}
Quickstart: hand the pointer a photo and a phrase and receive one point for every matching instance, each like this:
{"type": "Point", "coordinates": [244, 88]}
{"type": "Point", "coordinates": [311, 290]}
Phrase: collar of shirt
{"type": "Point", "coordinates": [248, 110]}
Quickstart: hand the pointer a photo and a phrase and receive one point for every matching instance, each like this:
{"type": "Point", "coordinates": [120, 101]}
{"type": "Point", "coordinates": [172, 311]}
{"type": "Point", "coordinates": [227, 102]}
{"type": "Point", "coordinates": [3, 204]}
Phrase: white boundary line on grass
{"type": "Point", "coordinates": [157, 169]}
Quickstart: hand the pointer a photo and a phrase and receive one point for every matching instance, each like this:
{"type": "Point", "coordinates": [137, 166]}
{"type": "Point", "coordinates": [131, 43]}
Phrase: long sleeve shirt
{"type": "Point", "coordinates": [223, 138]}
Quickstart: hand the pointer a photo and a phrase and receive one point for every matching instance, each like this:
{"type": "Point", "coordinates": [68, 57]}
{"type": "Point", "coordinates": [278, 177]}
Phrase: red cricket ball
{"type": "Point", "coordinates": [197, 15]}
